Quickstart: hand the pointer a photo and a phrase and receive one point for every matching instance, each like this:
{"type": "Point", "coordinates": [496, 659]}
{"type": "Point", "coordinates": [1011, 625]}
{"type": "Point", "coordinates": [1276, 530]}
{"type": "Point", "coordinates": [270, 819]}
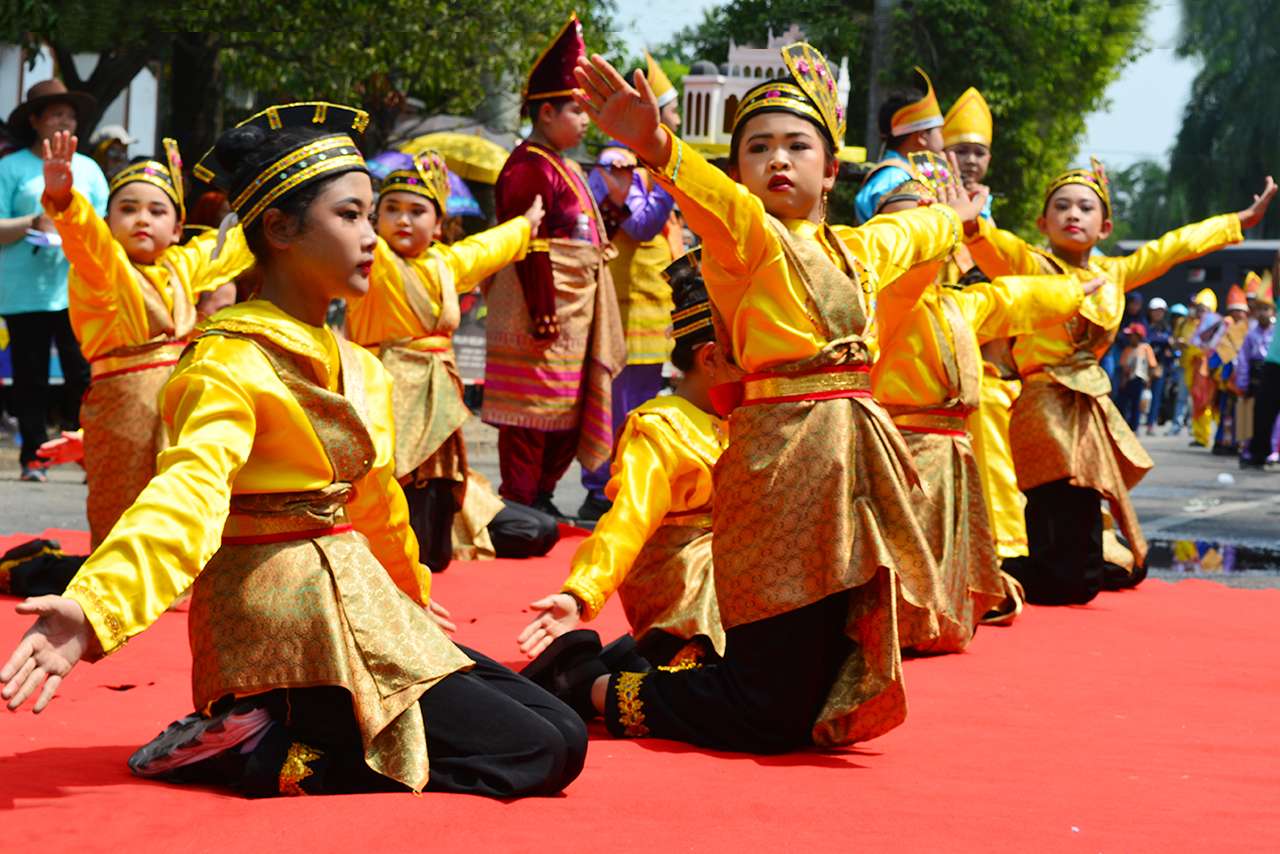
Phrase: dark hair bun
{"type": "Point", "coordinates": [237, 145]}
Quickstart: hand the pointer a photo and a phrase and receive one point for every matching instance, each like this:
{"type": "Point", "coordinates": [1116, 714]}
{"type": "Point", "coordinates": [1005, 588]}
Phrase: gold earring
{"type": "Point", "coordinates": [824, 205]}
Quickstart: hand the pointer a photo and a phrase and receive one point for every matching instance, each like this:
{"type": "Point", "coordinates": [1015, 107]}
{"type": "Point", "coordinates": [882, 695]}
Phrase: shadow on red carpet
{"type": "Point", "coordinates": [1145, 721]}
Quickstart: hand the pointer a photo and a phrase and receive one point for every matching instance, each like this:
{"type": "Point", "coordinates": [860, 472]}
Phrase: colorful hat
{"type": "Point", "coordinates": [1266, 292]}
{"type": "Point", "coordinates": [1095, 178]}
{"type": "Point", "coordinates": [811, 93]}
{"type": "Point", "coordinates": [691, 316]}
{"type": "Point", "coordinates": [1157, 303]}
{"type": "Point", "coordinates": [167, 176]}
{"type": "Point", "coordinates": [920, 115]}
{"type": "Point", "coordinates": [427, 176]}
{"type": "Point", "coordinates": [1236, 300]}
{"type": "Point", "coordinates": [108, 135]}
{"type": "Point", "coordinates": [1178, 310]}
{"type": "Point", "coordinates": [552, 73]}
{"type": "Point", "coordinates": [659, 82]}
{"type": "Point", "coordinates": [321, 157]}
{"type": "Point", "coordinates": [1139, 328]}
{"type": "Point", "coordinates": [1252, 285]}
{"type": "Point", "coordinates": [968, 120]}
{"type": "Point", "coordinates": [1208, 299]}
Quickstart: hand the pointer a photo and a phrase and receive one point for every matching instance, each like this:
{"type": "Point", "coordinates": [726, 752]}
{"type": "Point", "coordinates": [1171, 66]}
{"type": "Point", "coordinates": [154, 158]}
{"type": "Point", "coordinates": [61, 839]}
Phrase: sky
{"type": "Point", "coordinates": [1146, 102]}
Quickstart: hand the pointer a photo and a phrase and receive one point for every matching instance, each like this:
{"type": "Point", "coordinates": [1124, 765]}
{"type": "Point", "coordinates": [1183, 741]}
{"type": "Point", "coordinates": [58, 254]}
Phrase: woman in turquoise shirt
{"type": "Point", "coordinates": [33, 277]}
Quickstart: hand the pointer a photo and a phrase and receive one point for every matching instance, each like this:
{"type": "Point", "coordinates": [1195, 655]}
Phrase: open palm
{"type": "Point", "coordinates": [626, 112]}
{"type": "Point", "coordinates": [57, 167]}
{"type": "Point", "coordinates": [47, 652]}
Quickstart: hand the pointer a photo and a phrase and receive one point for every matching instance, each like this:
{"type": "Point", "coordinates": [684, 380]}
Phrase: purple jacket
{"type": "Point", "coordinates": [1254, 349]}
{"type": "Point", "coordinates": [646, 211]}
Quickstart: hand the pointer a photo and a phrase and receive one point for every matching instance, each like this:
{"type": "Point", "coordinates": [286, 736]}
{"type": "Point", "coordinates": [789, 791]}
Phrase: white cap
{"type": "Point", "coordinates": [113, 132]}
{"type": "Point", "coordinates": [1158, 303]}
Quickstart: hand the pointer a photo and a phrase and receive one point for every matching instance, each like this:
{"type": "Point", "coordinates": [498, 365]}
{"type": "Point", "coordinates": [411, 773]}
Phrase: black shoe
{"type": "Point", "coordinates": [1248, 464]}
{"type": "Point", "coordinates": [593, 508]}
{"type": "Point", "coordinates": [568, 668]}
{"type": "Point", "coordinates": [195, 738]}
{"type": "Point", "coordinates": [543, 502]}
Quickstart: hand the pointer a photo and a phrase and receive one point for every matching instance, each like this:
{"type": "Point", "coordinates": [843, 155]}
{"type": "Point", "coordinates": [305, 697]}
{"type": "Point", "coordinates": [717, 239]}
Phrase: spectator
{"type": "Point", "coordinates": [1111, 359]}
{"type": "Point", "coordinates": [1174, 376]}
{"type": "Point", "coordinates": [33, 274]}
{"type": "Point", "coordinates": [110, 149]}
{"type": "Point", "coordinates": [1250, 369]}
{"type": "Point", "coordinates": [1137, 366]}
{"type": "Point", "coordinates": [1159, 336]}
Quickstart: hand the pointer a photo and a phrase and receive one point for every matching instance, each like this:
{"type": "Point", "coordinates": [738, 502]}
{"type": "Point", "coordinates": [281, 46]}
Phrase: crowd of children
{"type": "Point", "coordinates": [881, 436]}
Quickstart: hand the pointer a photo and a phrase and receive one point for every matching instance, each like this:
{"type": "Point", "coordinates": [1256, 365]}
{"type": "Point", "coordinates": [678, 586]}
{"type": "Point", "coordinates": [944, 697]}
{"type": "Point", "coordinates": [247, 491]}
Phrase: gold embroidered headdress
{"type": "Point", "coordinates": [811, 93]}
{"type": "Point", "coordinates": [1095, 178]}
{"type": "Point", "coordinates": [427, 177]}
{"type": "Point", "coordinates": [691, 314]}
{"type": "Point", "coordinates": [659, 82]}
{"type": "Point", "coordinates": [918, 115]}
{"type": "Point", "coordinates": [968, 120]}
{"type": "Point", "coordinates": [321, 157]}
{"type": "Point", "coordinates": [167, 176]}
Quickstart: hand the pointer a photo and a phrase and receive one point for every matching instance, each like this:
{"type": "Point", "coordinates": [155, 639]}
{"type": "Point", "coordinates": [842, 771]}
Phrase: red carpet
{"type": "Point", "coordinates": [1145, 722]}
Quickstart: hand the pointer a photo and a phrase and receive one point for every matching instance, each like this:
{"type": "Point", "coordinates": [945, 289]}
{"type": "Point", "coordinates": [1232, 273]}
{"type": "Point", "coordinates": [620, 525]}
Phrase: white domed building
{"type": "Point", "coordinates": [711, 93]}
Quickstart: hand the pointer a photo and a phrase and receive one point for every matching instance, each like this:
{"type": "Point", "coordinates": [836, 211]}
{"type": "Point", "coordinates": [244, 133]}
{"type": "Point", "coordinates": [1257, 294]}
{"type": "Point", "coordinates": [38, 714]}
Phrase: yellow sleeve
{"type": "Point", "coordinates": [479, 256]}
{"type": "Point", "coordinates": [164, 539]}
{"type": "Point", "coordinates": [1152, 260]}
{"type": "Point", "coordinates": [1003, 253]}
{"type": "Point", "coordinates": [378, 508]}
{"type": "Point", "coordinates": [640, 488]}
{"type": "Point", "coordinates": [892, 244]}
{"type": "Point", "coordinates": [1019, 305]}
{"type": "Point", "coordinates": [730, 220]}
{"type": "Point", "coordinates": [200, 271]}
{"type": "Point", "coordinates": [104, 276]}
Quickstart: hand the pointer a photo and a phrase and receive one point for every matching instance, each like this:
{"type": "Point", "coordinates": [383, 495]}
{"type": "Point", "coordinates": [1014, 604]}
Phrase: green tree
{"type": "Point", "coordinates": [1230, 127]}
{"type": "Point", "coordinates": [1043, 65]}
{"type": "Point", "coordinates": [376, 54]}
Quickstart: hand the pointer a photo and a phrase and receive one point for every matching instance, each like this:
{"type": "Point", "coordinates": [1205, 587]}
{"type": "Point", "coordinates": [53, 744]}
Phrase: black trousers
{"type": "Point", "coordinates": [1265, 410]}
{"type": "Point", "coordinates": [762, 697]}
{"type": "Point", "coordinates": [431, 510]}
{"type": "Point", "coordinates": [490, 732]}
{"type": "Point", "coordinates": [30, 335]}
{"type": "Point", "coordinates": [519, 531]}
{"type": "Point", "coordinates": [1064, 538]}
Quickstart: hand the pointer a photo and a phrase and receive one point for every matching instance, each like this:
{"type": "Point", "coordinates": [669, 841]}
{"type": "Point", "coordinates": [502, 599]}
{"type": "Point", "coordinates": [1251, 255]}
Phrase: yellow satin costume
{"type": "Point", "coordinates": [928, 377]}
{"type": "Point", "coordinates": [132, 321]}
{"type": "Point", "coordinates": [1053, 438]}
{"type": "Point", "coordinates": [653, 547]}
{"type": "Point", "coordinates": [240, 439]}
{"type": "Point", "coordinates": [811, 454]}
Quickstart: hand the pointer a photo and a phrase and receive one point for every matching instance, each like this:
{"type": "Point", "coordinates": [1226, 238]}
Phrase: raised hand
{"type": "Point", "coordinates": [47, 652]}
{"type": "Point", "coordinates": [968, 206]}
{"type": "Point", "coordinates": [535, 213]}
{"type": "Point", "coordinates": [558, 614]}
{"type": "Point", "coordinates": [1252, 215]}
{"type": "Point", "coordinates": [626, 112]}
{"type": "Point", "coordinates": [57, 168]}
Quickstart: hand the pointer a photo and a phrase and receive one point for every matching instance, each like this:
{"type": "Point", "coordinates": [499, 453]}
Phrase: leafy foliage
{"type": "Point", "coordinates": [1043, 65]}
{"type": "Point", "coordinates": [1227, 143]}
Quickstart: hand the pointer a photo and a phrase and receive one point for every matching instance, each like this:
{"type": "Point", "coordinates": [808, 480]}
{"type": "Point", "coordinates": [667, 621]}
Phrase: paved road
{"type": "Point", "coordinates": [1229, 518]}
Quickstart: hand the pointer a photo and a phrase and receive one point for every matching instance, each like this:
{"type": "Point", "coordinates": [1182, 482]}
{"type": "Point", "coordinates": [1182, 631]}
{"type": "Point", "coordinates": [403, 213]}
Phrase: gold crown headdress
{"type": "Point", "coordinates": [1095, 178]}
{"type": "Point", "coordinates": [968, 120]}
{"type": "Point", "coordinates": [918, 115]}
{"type": "Point", "coordinates": [428, 177]}
{"type": "Point", "coordinates": [812, 93]}
{"type": "Point", "coordinates": [167, 176]}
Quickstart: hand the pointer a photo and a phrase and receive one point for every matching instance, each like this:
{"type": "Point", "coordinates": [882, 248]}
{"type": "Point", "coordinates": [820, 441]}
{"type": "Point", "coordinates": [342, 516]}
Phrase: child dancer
{"type": "Point", "coordinates": [316, 664]}
{"type": "Point", "coordinates": [653, 546]}
{"type": "Point", "coordinates": [408, 318]}
{"type": "Point", "coordinates": [131, 293]}
{"type": "Point", "coordinates": [1070, 443]}
{"type": "Point", "coordinates": [814, 534]}
{"type": "Point", "coordinates": [928, 376]}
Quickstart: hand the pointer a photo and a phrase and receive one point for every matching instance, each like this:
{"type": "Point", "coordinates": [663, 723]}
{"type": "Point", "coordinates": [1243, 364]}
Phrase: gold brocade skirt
{"type": "Point", "coordinates": [1058, 433]}
{"type": "Point", "coordinates": [123, 432]}
{"type": "Point", "coordinates": [319, 611]}
{"type": "Point", "coordinates": [813, 498]}
{"type": "Point", "coordinates": [471, 540]}
{"type": "Point", "coordinates": [671, 586]}
{"type": "Point", "coordinates": [954, 520]}
{"type": "Point", "coordinates": [429, 414]}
